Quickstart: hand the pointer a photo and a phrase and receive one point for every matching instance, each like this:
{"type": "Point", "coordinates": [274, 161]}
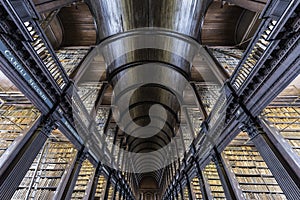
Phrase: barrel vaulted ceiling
{"type": "Point", "coordinates": [80, 25]}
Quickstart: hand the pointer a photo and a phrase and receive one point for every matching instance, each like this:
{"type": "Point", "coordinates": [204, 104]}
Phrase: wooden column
{"type": "Point", "coordinates": [231, 190]}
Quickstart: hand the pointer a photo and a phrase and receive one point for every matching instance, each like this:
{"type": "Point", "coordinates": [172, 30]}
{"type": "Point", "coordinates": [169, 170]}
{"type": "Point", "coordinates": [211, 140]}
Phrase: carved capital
{"type": "Point", "coordinates": [49, 126]}
{"type": "Point", "coordinates": [251, 127]}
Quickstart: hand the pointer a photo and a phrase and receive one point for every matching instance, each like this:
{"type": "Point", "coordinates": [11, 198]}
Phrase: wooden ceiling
{"type": "Point", "coordinates": [78, 26]}
{"type": "Point", "coordinates": [219, 29]}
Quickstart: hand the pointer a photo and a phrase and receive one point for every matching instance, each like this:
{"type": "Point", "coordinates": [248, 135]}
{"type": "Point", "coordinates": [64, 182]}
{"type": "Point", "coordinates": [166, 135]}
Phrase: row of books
{"type": "Point", "coordinates": [211, 176]}
{"type": "Point", "coordinates": [14, 121]}
{"type": "Point", "coordinates": [281, 111]}
{"type": "Point", "coordinates": [261, 188]}
{"type": "Point", "coordinates": [85, 175]}
{"type": "Point", "coordinates": [196, 188]}
{"type": "Point", "coordinates": [38, 194]}
{"type": "Point", "coordinates": [46, 172]}
{"type": "Point", "coordinates": [264, 196]}
{"type": "Point", "coordinates": [240, 152]}
{"type": "Point", "coordinates": [250, 163]}
{"type": "Point", "coordinates": [251, 172]}
{"type": "Point", "coordinates": [256, 180]}
{"type": "Point", "coordinates": [100, 188]}
{"type": "Point", "coordinates": [244, 157]}
{"type": "Point", "coordinates": [243, 170]}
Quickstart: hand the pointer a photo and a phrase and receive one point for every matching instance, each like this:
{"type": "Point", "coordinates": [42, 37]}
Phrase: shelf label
{"type": "Point", "coordinates": [14, 62]}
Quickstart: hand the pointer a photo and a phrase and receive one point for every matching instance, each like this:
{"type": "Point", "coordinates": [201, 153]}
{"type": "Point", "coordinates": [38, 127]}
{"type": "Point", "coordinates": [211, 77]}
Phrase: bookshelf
{"type": "Point", "coordinates": [14, 121]}
{"type": "Point", "coordinates": [84, 177]}
{"type": "Point", "coordinates": [228, 57]}
{"type": "Point", "coordinates": [211, 176]}
{"type": "Point", "coordinates": [110, 192]}
{"type": "Point", "coordinates": [100, 188]}
{"type": "Point", "coordinates": [209, 93]}
{"type": "Point", "coordinates": [185, 193]}
{"type": "Point", "coordinates": [287, 121]}
{"type": "Point", "coordinates": [196, 189]}
{"type": "Point", "coordinates": [251, 172]}
{"type": "Point", "coordinates": [71, 57]}
{"type": "Point", "coordinates": [196, 119]}
{"type": "Point", "coordinates": [88, 93]}
{"type": "Point", "coordinates": [117, 195]}
{"type": "Point", "coordinates": [47, 170]}
{"type": "Point", "coordinates": [101, 118]}
{"type": "Point", "coordinates": [179, 195]}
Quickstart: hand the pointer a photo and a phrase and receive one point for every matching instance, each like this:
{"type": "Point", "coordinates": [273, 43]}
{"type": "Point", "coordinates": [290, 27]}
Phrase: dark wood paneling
{"type": "Point", "coordinates": [220, 24]}
{"type": "Point", "coordinates": [78, 26]}
{"type": "Point", "coordinates": [218, 30]}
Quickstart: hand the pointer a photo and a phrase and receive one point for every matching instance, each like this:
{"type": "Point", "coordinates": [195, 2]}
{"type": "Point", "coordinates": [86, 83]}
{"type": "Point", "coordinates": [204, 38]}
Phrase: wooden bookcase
{"type": "Point", "coordinates": [84, 177]}
{"type": "Point", "coordinates": [196, 189]}
{"type": "Point", "coordinates": [14, 121]}
{"type": "Point", "coordinates": [255, 179]}
{"type": "Point", "coordinates": [211, 176]}
{"type": "Point", "coordinates": [47, 170]}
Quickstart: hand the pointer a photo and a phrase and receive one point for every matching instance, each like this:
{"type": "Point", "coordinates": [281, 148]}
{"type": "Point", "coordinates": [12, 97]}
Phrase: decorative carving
{"type": "Point", "coordinates": [250, 126]}
{"type": "Point", "coordinates": [48, 126]}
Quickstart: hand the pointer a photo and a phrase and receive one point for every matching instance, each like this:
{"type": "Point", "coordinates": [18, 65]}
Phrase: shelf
{"type": "Point", "coordinates": [249, 169]}
{"type": "Point", "coordinates": [211, 176]}
{"type": "Point", "coordinates": [70, 58]}
{"type": "Point", "coordinates": [100, 188]}
{"type": "Point", "coordinates": [14, 120]}
{"type": "Point", "coordinates": [85, 175]}
{"type": "Point", "coordinates": [287, 121]}
{"type": "Point", "coordinates": [228, 57]}
{"type": "Point", "coordinates": [43, 178]}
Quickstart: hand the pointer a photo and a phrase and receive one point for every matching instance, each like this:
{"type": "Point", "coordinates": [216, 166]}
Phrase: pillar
{"type": "Point", "coordinates": [230, 185]}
